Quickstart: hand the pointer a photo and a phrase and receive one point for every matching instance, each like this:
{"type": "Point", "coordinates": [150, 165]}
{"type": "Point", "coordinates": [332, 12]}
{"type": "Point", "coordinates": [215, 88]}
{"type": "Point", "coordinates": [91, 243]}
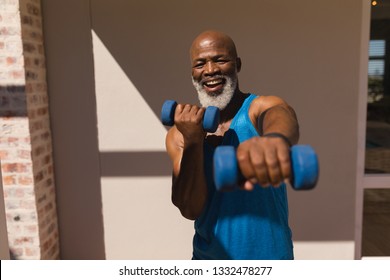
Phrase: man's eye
{"type": "Point", "coordinates": [198, 65]}
{"type": "Point", "coordinates": [221, 61]}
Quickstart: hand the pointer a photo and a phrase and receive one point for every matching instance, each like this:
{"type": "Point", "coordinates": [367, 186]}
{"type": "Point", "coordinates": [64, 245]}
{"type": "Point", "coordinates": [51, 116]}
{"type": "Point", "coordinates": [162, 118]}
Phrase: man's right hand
{"type": "Point", "coordinates": [188, 120]}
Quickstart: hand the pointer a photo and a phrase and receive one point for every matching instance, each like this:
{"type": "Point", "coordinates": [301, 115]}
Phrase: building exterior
{"type": "Point", "coordinates": [84, 169]}
{"type": "Point", "coordinates": [25, 141]}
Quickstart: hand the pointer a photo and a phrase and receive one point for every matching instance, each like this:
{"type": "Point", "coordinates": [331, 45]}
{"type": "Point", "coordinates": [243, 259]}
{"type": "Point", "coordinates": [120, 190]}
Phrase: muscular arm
{"type": "Point", "coordinates": [266, 160]}
{"type": "Point", "coordinates": [184, 143]}
{"type": "Point", "coordinates": [275, 115]}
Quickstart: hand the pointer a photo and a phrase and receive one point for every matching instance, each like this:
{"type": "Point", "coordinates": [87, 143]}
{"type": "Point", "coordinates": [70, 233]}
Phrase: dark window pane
{"type": "Point", "coordinates": [378, 103]}
{"type": "Point", "coordinates": [376, 223]}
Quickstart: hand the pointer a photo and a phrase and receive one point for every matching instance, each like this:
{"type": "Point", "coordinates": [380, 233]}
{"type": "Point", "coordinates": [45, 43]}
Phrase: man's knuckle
{"type": "Point", "coordinates": [258, 164]}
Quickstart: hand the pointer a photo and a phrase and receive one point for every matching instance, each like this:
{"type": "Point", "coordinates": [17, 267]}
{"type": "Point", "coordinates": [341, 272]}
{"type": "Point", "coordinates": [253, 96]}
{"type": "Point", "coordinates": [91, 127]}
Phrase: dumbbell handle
{"type": "Point", "coordinates": [304, 164]}
{"type": "Point", "coordinates": [210, 117]}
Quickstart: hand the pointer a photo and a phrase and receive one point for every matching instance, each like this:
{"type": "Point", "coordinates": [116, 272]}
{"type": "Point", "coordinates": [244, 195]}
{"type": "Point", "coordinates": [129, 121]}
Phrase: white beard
{"type": "Point", "coordinates": [219, 100]}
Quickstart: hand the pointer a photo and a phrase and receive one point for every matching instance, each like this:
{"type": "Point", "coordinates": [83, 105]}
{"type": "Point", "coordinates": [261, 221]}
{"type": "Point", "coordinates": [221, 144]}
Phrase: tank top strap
{"type": "Point", "coordinates": [241, 128]}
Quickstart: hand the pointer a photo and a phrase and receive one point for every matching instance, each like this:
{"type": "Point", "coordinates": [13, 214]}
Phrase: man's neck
{"type": "Point", "coordinates": [234, 105]}
{"type": "Point", "coordinates": [226, 117]}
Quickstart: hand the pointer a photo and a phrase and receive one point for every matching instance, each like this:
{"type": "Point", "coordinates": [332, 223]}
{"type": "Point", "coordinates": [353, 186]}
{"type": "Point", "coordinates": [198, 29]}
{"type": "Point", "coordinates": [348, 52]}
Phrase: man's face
{"type": "Point", "coordinates": [214, 72]}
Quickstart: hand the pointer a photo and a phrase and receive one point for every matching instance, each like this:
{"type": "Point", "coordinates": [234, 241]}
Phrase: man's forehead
{"type": "Point", "coordinates": [210, 45]}
{"type": "Point", "coordinates": [208, 41]}
{"type": "Point", "coordinates": [211, 42]}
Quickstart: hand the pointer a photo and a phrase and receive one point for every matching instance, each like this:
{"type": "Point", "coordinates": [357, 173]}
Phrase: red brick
{"type": "Point", "coordinates": [9, 31]}
{"type": "Point", "coordinates": [9, 167]}
{"type": "Point", "coordinates": [27, 204]}
{"type": "Point", "coordinates": [3, 155]}
{"type": "Point", "coordinates": [32, 251]}
{"type": "Point", "coordinates": [27, 20]}
{"type": "Point", "coordinates": [31, 229]}
{"type": "Point", "coordinates": [33, 10]}
{"type": "Point", "coordinates": [48, 207]}
{"type": "Point", "coordinates": [39, 150]}
{"type": "Point", "coordinates": [29, 47]}
{"type": "Point", "coordinates": [46, 160]}
{"type": "Point", "coordinates": [11, 61]}
{"type": "Point", "coordinates": [49, 182]}
{"type": "Point", "coordinates": [23, 240]}
{"type": "Point", "coordinates": [25, 180]}
{"type": "Point", "coordinates": [24, 154]}
{"type": "Point", "coordinates": [38, 177]}
{"type": "Point", "coordinates": [42, 111]}
{"type": "Point", "coordinates": [38, 23]}
{"type": "Point", "coordinates": [16, 167]}
{"type": "Point", "coordinates": [31, 114]}
{"type": "Point", "coordinates": [9, 180]}
{"type": "Point", "coordinates": [13, 140]}
{"type": "Point", "coordinates": [17, 74]}
{"type": "Point", "coordinates": [19, 193]}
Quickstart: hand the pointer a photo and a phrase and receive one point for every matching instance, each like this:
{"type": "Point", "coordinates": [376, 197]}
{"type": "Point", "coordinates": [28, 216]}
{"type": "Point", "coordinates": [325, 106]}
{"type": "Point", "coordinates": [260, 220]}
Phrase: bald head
{"type": "Point", "coordinates": [213, 39]}
{"type": "Point", "coordinates": [214, 68]}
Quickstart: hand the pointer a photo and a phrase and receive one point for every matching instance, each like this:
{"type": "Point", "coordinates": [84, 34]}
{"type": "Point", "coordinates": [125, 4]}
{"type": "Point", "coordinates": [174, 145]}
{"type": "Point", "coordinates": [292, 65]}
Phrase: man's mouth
{"type": "Point", "coordinates": [214, 83]}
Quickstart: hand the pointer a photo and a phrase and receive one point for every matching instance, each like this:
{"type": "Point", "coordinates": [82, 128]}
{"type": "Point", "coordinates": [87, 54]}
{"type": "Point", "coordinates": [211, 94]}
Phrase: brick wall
{"type": "Point", "coordinates": [25, 137]}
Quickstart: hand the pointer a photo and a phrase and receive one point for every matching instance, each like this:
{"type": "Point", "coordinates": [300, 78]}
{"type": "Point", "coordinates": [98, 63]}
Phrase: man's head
{"type": "Point", "coordinates": [215, 65]}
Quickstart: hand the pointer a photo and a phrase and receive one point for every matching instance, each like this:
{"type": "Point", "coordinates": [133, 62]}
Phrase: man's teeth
{"type": "Point", "coordinates": [211, 83]}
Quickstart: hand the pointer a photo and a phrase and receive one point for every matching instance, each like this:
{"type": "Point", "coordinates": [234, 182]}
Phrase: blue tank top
{"type": "Point", "coordinates": [242, 225]}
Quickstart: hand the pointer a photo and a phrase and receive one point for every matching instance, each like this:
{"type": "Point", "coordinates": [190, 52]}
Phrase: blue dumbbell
{"type": "Point", "coordinates": [210, 118]}
{"type": "Point", "coordinates": [304, 163]}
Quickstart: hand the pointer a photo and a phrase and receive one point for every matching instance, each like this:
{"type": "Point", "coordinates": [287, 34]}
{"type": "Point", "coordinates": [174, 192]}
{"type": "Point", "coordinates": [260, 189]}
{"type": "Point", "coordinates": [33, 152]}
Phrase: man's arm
{"type": "Point", "coordinates": [184, 143]}
{"type": "Point", "coordinates": [274, 115]}
{"type": "Point", "coordinates": [266, 160]}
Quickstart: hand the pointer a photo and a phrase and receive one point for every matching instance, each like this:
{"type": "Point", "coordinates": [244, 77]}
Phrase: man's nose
{"type": "Point", "coordinates": [211, 68]}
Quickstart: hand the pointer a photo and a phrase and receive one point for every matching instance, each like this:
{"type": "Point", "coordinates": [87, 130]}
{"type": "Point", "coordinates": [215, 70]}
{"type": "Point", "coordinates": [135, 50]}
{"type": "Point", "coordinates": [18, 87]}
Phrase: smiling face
{"type": "Point", "coordinates": [214, 68]}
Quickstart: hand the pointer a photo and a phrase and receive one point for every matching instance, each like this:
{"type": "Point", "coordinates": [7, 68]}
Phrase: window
{"type": "Point", "coordinates": [376, 180]}
{"type": "Point", "coordinates": [376, 70]}
{"type": "Point", "coordinates": [377, 159]}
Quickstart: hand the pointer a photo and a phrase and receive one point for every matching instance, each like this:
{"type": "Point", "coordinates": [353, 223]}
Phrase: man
{"type": "Point", "coordinates": [251, 223]}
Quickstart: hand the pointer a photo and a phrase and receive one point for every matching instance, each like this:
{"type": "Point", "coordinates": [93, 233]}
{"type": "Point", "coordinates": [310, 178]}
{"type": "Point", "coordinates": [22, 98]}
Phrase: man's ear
{"type": "Point", "coordinates": [238, 63]}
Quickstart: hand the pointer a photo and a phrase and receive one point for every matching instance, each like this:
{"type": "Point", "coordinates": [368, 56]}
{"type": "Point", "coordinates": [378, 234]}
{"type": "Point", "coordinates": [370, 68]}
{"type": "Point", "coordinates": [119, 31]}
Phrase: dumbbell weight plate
{"type": "Point", "coordinates": [211, 119]}
{"type": "Point", "coordinates": [168, 112]}
{"type": "Point", "coordinates": [304, 168]}
{"type": "Point", "coordinates": [226, 172]}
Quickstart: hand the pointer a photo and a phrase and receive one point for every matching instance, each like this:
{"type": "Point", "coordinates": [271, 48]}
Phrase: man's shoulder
{"type": "Point", "coordinates": [264, 102]}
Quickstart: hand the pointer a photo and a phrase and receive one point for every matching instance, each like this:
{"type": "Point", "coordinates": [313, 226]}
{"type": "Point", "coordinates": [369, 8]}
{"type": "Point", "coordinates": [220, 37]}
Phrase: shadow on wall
{"type": "Point", "coordinates": [13, 101]}
{"type": "Point", "coordinates": [116, 164]}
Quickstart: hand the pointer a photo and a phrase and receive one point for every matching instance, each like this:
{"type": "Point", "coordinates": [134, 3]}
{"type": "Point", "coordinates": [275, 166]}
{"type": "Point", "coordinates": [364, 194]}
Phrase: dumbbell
{"type": "Point", "coordinates": [210, 118]}
{"type": "Point", "coordinates": [304, 164]}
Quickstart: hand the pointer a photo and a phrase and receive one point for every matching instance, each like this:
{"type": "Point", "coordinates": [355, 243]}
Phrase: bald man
{"type": "Point", "coordinates": [252, 222]}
